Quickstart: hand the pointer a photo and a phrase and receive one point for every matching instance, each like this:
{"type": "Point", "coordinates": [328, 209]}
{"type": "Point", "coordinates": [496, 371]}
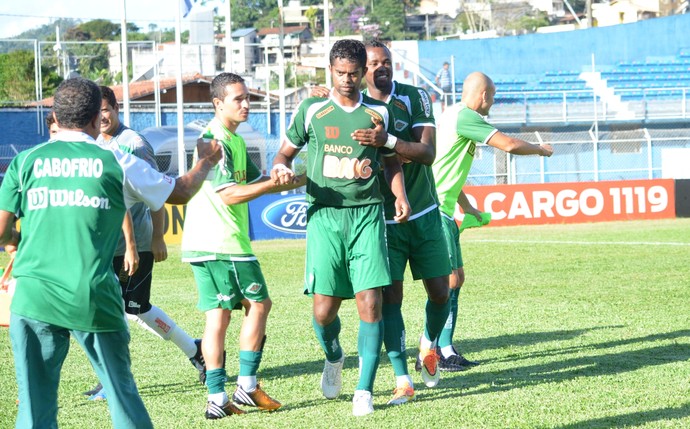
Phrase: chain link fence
{"type": "Point", "coordinates": [580, 156]}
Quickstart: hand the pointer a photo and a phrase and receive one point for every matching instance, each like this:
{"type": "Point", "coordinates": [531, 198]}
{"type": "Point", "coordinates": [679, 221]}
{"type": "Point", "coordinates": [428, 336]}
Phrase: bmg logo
{"type": "Point", "coordinates": [37, 198]}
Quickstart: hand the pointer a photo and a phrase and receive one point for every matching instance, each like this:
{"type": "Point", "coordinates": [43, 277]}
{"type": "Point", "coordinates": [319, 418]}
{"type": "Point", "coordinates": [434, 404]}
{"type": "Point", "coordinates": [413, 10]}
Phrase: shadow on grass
{"type": "Point", "coordinates": [473, 382]}
{"type": "Point", "coordinates": [525, 339]}
{"type": "Point", "coordinates": [605, 345]}
{"type": "Point", "coordinates": [632, 419]}
{"type": "Point", "coordinates": [168, 388]}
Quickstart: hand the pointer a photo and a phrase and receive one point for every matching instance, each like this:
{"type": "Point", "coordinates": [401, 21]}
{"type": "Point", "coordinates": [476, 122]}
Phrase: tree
{"type": "Point", "coordinates": [530, 23]}
{"type": "Point", "coordinates": [97, 29]}
{"type": "Point", "coordinates": [17, 78]}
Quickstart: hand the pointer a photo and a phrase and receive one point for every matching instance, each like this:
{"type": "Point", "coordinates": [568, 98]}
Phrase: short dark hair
{"type": "Point", "coordinates": [109, 95]}
{"type": "Point", "coordinates": [77, 101]}
{"type": "Point", "coordinates": [349, 50]}
{"type": "Point", "coordinates": [375, 43]}
{"type": "Point", "coordinates": [219, 84]}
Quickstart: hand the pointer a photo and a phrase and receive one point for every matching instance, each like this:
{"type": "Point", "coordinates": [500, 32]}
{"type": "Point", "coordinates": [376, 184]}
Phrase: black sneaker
{"type": "Point", "coordinates": [214, 411]}
{"type": "Point", "coordinates": [198, 361]}
{"type": "Point", "coordinates": [97, 388]}
{"type": "Point", "coordinates": [456, 362]}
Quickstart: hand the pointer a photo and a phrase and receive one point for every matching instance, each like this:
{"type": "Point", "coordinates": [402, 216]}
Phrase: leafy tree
{"type": "Point", "coordinates": [390, 17]}
{"type": "Point", "coordinates": [17, 78]}
{"type": "Point", "coordinates": [312, 14]}
{"type": "Point", "coordinates": [530, 22]}
{"type": "Point", "coordinates": [97, 29]}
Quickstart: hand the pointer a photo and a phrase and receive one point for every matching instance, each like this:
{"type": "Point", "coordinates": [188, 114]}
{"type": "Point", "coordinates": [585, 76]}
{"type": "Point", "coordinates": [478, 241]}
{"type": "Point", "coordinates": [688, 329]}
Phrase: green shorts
{"type": "Point", "coordinates": [346, 250]}
{"type": "Point", "coordinates": [452, 233]}
{"type": "Point", "coordinates": [422, 242]}
{"type": "Point", "coordinates": [225, 284]}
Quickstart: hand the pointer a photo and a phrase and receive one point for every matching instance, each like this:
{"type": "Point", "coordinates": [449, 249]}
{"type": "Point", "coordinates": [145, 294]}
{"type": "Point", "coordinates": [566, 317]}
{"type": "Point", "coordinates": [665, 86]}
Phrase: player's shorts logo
{"type": "Point", "coordinates": [254, 288]}
{"type": "Point", "coordinates": [287, 215]}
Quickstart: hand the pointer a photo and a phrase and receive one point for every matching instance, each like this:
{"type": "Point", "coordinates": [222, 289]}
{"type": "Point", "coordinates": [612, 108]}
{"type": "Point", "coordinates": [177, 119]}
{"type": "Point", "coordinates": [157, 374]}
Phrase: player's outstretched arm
{"type": "Point", "coordinates": [188, 185]}
{"type": "Point", "coordinates": [237, 194]}
{"type": "Point", "coordinates": [396, 182]}
{"type": "Point", "coordinates": [518, 146]}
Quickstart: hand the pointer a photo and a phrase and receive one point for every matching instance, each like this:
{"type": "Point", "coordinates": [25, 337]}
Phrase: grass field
{"type": "Point", "coordinates": [576, 326]}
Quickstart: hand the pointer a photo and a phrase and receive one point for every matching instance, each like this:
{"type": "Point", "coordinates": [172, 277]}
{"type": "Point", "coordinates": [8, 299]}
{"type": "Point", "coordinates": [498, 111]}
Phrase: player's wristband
{"type": "Point", "coordinates": [390, 143]}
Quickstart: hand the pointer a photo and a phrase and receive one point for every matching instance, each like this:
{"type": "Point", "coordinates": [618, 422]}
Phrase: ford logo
{"type": "Point", "coordinates": [287, 215]}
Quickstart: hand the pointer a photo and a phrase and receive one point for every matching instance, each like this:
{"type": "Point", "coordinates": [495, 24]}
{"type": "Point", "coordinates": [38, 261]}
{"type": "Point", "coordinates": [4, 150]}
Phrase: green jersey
{"type": "Point", "coordinates": [411, 108]}
{"type": "Point", "coordinates": [214, 230]}
{"type": "Point", "coordinates": [459, 131]}
{"type": "Point", "coordinates": [340, 171]}
{"type": "Point", "coordinates": [71, 195]}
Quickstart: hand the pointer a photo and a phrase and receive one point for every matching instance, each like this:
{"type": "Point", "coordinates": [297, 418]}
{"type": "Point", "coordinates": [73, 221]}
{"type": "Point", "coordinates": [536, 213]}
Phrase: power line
{"type": "Point", "coordinates": [82, 18]}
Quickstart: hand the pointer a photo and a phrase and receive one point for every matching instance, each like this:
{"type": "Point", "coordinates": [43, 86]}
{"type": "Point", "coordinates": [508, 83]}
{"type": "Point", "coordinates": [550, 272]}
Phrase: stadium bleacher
{"type": "Point", "coordinates": [653, 78]}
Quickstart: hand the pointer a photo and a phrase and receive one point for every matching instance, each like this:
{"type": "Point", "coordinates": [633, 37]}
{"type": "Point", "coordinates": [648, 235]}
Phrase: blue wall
{"type": "Point", "coordinates": [534, 54]}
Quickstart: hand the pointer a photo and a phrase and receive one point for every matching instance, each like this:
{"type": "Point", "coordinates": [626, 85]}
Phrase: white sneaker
{"type": "Point", "coordinates": [331, 379]}
{"type": "Point", "coordinates": [362, 403]}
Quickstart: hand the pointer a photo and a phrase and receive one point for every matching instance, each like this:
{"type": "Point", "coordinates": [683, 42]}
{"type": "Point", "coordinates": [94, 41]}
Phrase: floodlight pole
{"type": "Point", "coordinates": [125, 66]}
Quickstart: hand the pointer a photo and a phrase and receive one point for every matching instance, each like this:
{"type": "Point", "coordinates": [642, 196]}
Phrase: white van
{"type": "Point", "coordinates": [163, 140]}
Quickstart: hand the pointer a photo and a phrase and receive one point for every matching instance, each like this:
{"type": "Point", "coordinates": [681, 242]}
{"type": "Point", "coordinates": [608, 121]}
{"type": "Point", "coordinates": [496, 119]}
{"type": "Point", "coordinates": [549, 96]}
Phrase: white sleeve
{"type": "Point", "coordinates": [143, 183]}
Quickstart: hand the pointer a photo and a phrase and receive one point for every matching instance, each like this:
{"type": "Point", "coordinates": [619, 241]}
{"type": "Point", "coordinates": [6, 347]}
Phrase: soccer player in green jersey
{"type": "Point", "coordinates": [420, 240]}
{"type": "Point", "coordinates": [460, 128]}
{"type": "Point", "coordinates": [71, 195]}
{"type": "Point", "coordinates": [216, 243]}
{"type": "Point", "coordinates": [346, 242]}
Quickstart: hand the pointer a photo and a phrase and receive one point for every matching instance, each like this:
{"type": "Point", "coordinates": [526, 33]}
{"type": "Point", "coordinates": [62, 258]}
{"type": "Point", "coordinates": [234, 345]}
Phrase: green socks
{"type": "Point", "coordinates": [249, 362]}
{"type": "Point", "coordinates": [436, 316]}
{"type": "Point", "coordinates": [369, 342]}
{"type": "Point", "coordinates": [328, 338]}
{"type": "Point", "coordinates": [446, 338]}
{"type": "Point", "coordinates": [394, 337]}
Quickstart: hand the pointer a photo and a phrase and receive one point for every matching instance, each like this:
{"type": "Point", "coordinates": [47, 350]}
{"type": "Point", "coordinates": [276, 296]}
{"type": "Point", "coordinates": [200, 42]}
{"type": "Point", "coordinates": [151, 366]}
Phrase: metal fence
{"type": "Point", "coordinates": [581, 156]}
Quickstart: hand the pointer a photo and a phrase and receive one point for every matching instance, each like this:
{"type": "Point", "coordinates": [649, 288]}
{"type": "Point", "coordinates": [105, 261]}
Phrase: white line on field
{"type": "Point", "coordinates": [615, 243]}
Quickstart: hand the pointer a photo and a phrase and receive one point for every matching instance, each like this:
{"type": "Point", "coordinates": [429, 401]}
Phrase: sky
{"type": "Point", "coordinates": [17, 16]}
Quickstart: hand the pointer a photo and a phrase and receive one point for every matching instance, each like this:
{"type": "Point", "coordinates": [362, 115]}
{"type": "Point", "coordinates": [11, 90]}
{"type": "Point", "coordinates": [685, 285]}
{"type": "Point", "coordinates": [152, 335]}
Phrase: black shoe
{"type": "Point", "coordinates": [97, 388]}
{"type": "Point", "coordinates": [198, 361]}
{"type": "Point", "coordinates": [456, 362]}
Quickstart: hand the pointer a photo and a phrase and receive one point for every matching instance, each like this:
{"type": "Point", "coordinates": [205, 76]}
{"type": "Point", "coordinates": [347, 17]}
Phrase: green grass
{"type": "Point", "coordinates": [576, 326]}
